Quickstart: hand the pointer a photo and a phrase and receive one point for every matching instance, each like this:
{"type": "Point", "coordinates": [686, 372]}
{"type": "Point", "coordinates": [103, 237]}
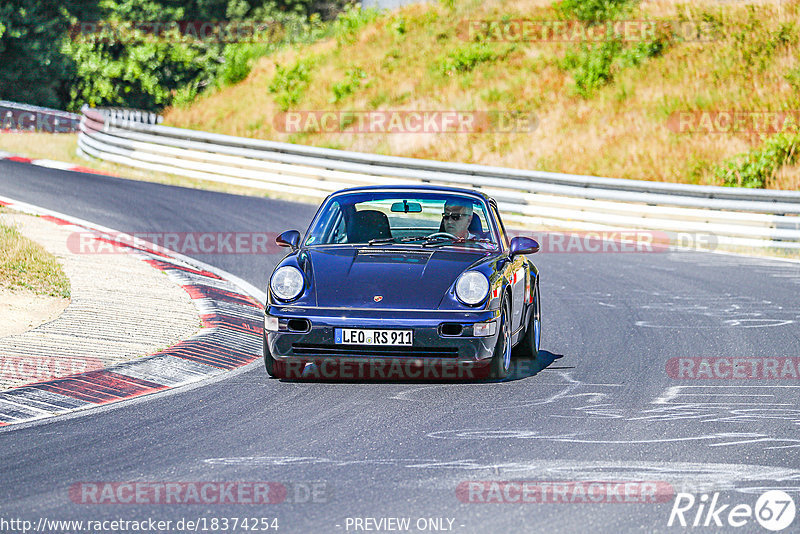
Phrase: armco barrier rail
{"type": "Point", "coordinates": [15, 117]}
{"type": "Point", "coordinates": [733, 216]}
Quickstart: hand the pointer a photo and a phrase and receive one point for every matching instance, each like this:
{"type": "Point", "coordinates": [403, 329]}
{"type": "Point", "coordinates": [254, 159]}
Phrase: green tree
{"type": "Point", "coordinates": [32, 67]}
{"type": "Point", "coordinates": [72, 52]}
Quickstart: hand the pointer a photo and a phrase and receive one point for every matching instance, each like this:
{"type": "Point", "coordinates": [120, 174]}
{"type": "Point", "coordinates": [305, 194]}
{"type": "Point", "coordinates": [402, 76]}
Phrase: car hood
{"type": "Point", "coordinates": [409, 279]}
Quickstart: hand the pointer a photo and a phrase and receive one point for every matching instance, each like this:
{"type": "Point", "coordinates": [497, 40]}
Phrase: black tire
{"type": "Point", "coordinates": [528, 346]}
{"type": "Point", "coordinates": [501, 359]}
{"type": "Point", "coordinates": [269, 361]}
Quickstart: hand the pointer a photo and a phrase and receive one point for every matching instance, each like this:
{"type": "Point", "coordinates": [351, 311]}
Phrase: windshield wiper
{"type": "Point", "coordinates": [443, 240]}
{"type": "Point", "coordinates": [405, 239]}
{"type": "Point", "coordinates": [429, 241]}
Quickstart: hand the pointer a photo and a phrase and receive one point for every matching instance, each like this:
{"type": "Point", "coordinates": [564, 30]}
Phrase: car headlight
{"type": "Point", "coordinates": [286, 283]}
{"type": "Point", "coordinates": [472, 287]}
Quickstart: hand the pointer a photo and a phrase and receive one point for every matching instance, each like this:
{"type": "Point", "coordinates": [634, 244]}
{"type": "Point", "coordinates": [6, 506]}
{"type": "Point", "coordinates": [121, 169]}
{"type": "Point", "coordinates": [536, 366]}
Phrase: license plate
{"type": "Point", "coordinates": [364, 336]}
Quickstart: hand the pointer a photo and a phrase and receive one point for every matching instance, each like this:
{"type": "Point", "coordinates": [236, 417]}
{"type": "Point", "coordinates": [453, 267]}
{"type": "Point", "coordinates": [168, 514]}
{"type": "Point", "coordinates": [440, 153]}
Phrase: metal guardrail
{"type": "Point", "coordinates": [734, 216]}
{"type": "Point", "coordinates": [16, 117]}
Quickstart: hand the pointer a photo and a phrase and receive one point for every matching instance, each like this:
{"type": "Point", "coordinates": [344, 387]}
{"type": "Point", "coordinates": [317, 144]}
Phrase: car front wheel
{"type": "Point", "coordinates": [269, 361]}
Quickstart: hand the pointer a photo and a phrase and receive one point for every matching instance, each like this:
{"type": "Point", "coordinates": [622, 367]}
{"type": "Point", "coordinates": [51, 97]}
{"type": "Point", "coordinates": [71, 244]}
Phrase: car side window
{"type": "Point", "coordinates": [331, 227]}
{"type": "Point", "coordinates": [501, 228]}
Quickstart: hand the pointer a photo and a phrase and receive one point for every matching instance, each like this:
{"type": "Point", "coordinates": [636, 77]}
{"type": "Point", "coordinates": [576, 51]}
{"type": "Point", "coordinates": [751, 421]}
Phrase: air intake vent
{"type": "Point", "coordinates": [450, 329]}
{"type": "Point", "coordinates": [298, 325]}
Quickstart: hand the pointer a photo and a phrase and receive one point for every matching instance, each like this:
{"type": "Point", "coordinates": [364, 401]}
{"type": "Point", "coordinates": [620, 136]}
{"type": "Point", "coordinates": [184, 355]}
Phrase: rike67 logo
{"type": "Point", "coordinates": [774, 510]}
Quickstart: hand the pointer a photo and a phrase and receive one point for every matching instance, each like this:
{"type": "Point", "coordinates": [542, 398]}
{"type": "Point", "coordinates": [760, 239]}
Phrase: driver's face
{"type": "Point", "coordinates": [457, 227]}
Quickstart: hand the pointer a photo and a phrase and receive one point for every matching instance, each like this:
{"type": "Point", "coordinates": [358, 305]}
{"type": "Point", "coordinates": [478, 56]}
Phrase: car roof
{"type": "Point", "coordinates": [421, 187]}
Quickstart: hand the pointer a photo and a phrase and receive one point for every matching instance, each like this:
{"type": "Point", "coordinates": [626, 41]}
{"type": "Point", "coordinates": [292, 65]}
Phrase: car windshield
{"type": "Point", "coordinates": [383, 218]}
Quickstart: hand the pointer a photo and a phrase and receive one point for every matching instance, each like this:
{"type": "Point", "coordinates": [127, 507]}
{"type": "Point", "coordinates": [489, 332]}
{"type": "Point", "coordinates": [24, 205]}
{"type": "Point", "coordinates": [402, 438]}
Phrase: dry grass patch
{"type": "Point", "coordinates": [618, 128]}
{"type": "Point", "coordinates": [26, 265]}
{"type": "Point", "coordinates": [60, 147]}
{"type": "Point", "coordinates": [414, 58]}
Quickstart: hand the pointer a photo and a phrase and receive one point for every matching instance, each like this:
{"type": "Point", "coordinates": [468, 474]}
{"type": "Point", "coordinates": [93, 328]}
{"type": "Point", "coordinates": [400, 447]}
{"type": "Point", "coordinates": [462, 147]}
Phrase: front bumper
{"type": "Point", "coordinates": [308, 333]}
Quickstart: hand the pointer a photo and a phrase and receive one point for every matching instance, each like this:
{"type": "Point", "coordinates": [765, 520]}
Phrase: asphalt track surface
{"type": "Point", "coordinates": [600, 406]}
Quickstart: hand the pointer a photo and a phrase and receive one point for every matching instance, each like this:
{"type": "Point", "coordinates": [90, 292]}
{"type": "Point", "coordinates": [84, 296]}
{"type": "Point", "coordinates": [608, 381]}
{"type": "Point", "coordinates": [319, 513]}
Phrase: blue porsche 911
{"type": "Point", "coordinates": [406, 282]}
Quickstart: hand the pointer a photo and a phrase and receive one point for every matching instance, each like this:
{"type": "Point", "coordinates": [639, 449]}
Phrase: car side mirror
{"type": "Point", "coordinates": [523, 245]}
{"type": "Point", "coordinates": [289, 238]}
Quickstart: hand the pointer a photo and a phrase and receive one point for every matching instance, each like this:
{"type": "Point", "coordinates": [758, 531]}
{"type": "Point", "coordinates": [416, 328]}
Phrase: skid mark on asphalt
{"type": "Point", "coordinates": [683, 476]}
{"type": "Point", "coordinates": [701, 311]}
{"type": "Point", "coordinates": [750, 413]}
{"type": "Point", "coordinates": [715, 439]}
{"type": "Point", "coordinates": [764, 405]}
{"type": "Point", "coordinates": [408, 394]}
{"type": "Point", "coordinates": [565, 387]}
{"type": "Point", "coordinates": [696, 310]}
{"type": "Point", "coordinates": [756, 407]}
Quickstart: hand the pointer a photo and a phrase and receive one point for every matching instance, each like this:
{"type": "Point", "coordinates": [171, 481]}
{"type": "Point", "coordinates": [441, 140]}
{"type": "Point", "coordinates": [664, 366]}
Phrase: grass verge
{"type": "Point", "coordinates": [24, 264]}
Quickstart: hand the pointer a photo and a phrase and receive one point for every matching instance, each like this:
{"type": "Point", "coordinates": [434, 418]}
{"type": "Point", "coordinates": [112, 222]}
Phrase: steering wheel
{"type": "Point", "coordinates": [440, 234]}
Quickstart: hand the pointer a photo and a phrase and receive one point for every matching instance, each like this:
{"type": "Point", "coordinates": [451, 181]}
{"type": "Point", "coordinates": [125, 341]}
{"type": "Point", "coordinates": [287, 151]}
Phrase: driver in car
{"type": "Point", "coordinates": [456, 218]}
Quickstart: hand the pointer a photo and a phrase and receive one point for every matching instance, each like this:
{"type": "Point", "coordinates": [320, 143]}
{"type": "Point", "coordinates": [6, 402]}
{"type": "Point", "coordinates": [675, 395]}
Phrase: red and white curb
{"type": "Point", "coordinates": [231, 311]}
{"type": "Point", "coordinates": [50, 164]}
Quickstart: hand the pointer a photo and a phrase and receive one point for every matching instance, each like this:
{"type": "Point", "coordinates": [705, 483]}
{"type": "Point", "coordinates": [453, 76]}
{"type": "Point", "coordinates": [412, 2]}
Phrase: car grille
{"type": "Point", "coordinates": [313, 349]}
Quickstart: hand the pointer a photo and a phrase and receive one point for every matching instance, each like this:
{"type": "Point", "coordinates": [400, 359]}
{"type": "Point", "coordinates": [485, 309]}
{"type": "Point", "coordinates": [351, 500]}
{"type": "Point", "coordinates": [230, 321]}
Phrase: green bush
{"type": "Point", "coordinates": [755, 168]}
{"type": "Point", "coordinates": [591, 65]}
{"type": "Point", "coordinates": [793, 77]}
{"type": "Point", "coordinates": [466, 57]}
{"type": "Point", "coordinates": [399, 26]}
{"type": "Point", "coordinates": [32, 68]}
{"type": "Point", "coordinates": [757, 46]}
{"type": "Point", "coordinates": [593, 10]}
{"type": "Point", "coordinates": [122, 66]}
{"type": "Point", "coordinates": [144, 71]}
{"type": "Point", "coordinates": [290, 83]}
{"type": "Point", "coordinates": [348, 86]}
{"type": "Point", "coordinates": [351, 20]}
{"type": "Point", "coordinates": [644, 50]}
{"type": "Point", "coordinates": [594, 65]}
{"type": "Point", "coordinates": [238, 61]}
{"type": "Point", "coordinates": [284, 28]}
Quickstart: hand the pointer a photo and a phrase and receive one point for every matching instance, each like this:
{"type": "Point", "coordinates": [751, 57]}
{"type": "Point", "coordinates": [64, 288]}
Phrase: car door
{"type": "Point", "coordinates": [515, 274]}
